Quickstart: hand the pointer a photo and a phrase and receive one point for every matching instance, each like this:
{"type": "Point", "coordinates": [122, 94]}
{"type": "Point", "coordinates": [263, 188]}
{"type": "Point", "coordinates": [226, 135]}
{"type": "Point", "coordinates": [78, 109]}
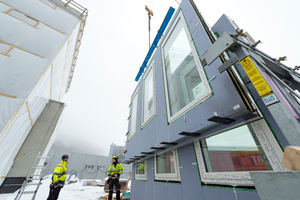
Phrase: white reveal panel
{"type": "Point", "coordinates": [37, 50]}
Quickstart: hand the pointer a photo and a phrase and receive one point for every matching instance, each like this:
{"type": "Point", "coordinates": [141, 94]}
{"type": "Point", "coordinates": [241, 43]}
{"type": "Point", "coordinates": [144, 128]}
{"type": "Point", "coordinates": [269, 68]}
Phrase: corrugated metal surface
{"type": "Point", "coordinates": [86, 166]}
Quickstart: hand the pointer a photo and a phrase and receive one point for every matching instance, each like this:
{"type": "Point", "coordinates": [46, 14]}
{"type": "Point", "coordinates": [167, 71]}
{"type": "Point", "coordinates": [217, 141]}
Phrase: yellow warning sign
{"type": "Point", "coordinates": [256, 78]}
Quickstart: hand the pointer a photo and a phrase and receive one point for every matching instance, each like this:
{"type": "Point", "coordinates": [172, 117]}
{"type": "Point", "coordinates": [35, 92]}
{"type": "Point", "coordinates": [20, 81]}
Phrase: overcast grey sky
{"type": "Point", "coordinates": [115, 43]}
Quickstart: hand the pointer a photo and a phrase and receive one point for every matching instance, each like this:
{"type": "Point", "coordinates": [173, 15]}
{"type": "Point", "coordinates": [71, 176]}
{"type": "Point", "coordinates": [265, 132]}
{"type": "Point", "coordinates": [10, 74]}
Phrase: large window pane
{"type": "Point", "coordinates": [227, 157]}
{"type": "Point", "coordinates": [4, 48]}
{"type": "Point", "coordinates": [166, 166]}
{"type": "Point", "coordinates": [234, 150]}
{"type": "Point", "coordinates": [148, 95]}
{"type": "Point", "coordinates": [49, 3]}
{"type": "Point", "coordinates": [140, 167]}
{"type": "Point", "coordinates": [141, 170]}
{"type": "Point", "coordinates": [4, 7]}
{"type": "Point", "coordinates": [23, 17]}
{"type": "Point", "coordinates": [184, 76]}
{"type": "Point", "coordinates": [133, 115]}
{"type": "Point", "coordinates": [165, 163]}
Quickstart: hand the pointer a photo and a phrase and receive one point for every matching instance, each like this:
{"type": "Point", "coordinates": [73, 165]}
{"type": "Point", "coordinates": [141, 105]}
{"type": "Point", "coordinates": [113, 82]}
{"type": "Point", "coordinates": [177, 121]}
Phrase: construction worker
{"type": "Point", "coordinates": [58, 178]}
{"type": "Point", "coordinates": [142, 169]}
{"type": "Point", "coordinates": [114, 172]}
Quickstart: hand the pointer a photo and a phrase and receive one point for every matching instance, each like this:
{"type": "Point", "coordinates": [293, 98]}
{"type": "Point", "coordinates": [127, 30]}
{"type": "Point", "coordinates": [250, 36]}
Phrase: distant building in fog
{"type": "Point", "coordinates": [86, 166]}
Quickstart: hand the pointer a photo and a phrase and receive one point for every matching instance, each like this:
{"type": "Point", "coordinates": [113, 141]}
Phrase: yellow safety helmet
{"type": "Point", "coordinates": [114, 157]}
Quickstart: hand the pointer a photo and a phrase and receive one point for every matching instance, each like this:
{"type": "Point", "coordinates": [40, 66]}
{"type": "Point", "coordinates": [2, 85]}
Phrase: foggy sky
{"type": "Point", "coordinates": [115, 43]}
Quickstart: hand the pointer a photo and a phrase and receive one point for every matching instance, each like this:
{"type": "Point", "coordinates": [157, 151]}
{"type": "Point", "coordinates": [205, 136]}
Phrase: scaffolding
{"type": "Point", "coordinates": [81, 12]}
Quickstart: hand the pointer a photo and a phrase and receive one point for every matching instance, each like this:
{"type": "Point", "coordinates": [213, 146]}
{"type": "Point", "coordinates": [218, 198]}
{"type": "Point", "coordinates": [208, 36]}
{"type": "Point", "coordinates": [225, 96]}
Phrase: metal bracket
{"type": "Point", "coordinates": [228, 63]}
{"type": "Point", "coordinates": [224, 43]}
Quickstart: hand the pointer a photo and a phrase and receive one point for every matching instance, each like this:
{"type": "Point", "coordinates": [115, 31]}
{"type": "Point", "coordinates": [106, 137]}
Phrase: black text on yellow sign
{"type": "Point", "coordinates": [256, 78]}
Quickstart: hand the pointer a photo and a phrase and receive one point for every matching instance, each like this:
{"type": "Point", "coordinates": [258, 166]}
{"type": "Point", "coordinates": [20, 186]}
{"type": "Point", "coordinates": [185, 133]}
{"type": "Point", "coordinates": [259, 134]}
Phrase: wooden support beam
{"type": "Point", "coordinates": [29, 114]}
{"type": "Point", "coordinates": [8, 95]}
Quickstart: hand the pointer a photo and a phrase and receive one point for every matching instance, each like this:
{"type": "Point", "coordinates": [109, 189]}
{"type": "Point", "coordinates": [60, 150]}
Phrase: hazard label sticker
{"type": "Point", "coordinates": [256, 78]}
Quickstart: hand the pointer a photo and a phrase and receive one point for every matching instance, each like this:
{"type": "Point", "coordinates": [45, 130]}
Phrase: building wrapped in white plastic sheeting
{"type": "Point", "coordinates": [39, 42]}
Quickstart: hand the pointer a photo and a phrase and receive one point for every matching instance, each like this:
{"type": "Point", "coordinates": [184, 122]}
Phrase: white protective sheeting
{"type": "Point", "coordinates": [35, 70]}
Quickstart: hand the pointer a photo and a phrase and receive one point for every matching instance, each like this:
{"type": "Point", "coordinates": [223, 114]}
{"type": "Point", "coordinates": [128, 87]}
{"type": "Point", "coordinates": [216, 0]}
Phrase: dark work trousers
{"type": "Point", "coordinates": [111, 188]}
{"type": "Point", "coordinates": [54, 192]}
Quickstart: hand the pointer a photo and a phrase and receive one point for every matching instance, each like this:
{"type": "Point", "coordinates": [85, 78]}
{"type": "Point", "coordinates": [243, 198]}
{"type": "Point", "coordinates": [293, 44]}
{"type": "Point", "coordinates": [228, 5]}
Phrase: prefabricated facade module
{"type": "Point", "coordinates": [208, 110]}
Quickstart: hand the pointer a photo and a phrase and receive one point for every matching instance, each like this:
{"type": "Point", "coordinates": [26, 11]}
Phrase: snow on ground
{"type": "Point", "coordinates": [74, 191]}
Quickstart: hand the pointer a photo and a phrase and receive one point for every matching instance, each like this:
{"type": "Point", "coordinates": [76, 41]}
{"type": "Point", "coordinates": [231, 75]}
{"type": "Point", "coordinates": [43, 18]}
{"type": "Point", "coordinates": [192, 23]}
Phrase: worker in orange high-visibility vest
{"type": "Point", "coordinates": [114, 172]}
{"type": "Point", "coordinates": [58, 178]}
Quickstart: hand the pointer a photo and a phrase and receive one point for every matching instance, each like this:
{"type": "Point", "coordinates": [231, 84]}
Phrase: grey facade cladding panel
{"type": "Point", "coordinates": [91, 161]}
{"type": "Point", "coordinates": [76, 163]}
{"type": "Point", "coordinates": [226, 24]}
{"type": "Point", "coordinates": [190, 178]}
{"type": "Point", "coordinates": [158, 130]}
{"type": "Point", "coordinates": [190, 186]}
{"type": "Point", "coordinates": [225, 97]}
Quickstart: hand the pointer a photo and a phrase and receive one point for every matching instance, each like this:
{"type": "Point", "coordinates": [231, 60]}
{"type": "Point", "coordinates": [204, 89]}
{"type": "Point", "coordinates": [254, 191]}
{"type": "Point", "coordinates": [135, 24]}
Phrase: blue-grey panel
{"type": "Point", "coordinates": [190, 178]}
{"type": "Point", "coordinates": [251, 195]}
{"type": "Point", "coordinates": [160, 190]}
{"type": "Point", "coordinates": [174, 191]}
{"type": "Point", "coordinates": [161, 123]}
{"type": "Point", "coordinates": [139, 189]}
{"type": "Point", "coordinates": [150, 179]}
{"type": "Point", "coordinates": [224, 24]}
{"type": "Point", "coordinates": [194, 120]}
{"type": "Point", "coordinates": [216, 193]}
{"type": "Point", "coordinates": [268, 184]}
{"type": "Point", "coordinates": [225, 194]}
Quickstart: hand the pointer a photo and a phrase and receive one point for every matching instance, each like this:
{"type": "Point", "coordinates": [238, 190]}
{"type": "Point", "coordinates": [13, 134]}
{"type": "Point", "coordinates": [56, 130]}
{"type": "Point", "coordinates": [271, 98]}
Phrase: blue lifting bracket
{"type": "Point", "coordinates": [155, 41]}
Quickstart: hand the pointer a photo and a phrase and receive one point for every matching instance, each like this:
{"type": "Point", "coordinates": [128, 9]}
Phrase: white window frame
{"type": "Point", "coordinates": [145, 122]}
{"type": "Point", "coordinates": [7, 49]}
{"type": "Point", "coordinates": [200, 69]}
{"type": "Point", "coordinates": [271, 149]}
{"type": "Point", "coordinates": [141, 176]}
{"type": "Point", "coordinates": [22, 17]}
{"type": "Point", "coordinates": [4, 7]}
{"type": "Point", "coordinates": [49, 4]}
{"type": "Point", "coordinates": [168, 176]}
{"type": "Point", "coordinates": [130, 134]}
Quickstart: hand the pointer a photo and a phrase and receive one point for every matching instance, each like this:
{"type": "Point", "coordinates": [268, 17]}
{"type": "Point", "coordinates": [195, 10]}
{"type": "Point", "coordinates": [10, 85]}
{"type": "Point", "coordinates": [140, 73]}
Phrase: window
{"type": "Point", "coordinates": [185, 80]}
{"type": "Point", "coordinates": [133, 115]}
{"type": "Point", "coordinates": [49, 3]}
{"type": "Point", "coordinates": [227, 158]}
{"type": "Point", "coordinates": [166, 166]}
{"type": "Point", "coordinates": [22, 17]}
{"type": "Point", "coordinates": [141, 170]}
{"type": "Point", "coordinates": [5, 49]}
{"type": "Point", "coordinates": [3, 7]}
{"type": "Point", "coordinates": [148, 96]}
